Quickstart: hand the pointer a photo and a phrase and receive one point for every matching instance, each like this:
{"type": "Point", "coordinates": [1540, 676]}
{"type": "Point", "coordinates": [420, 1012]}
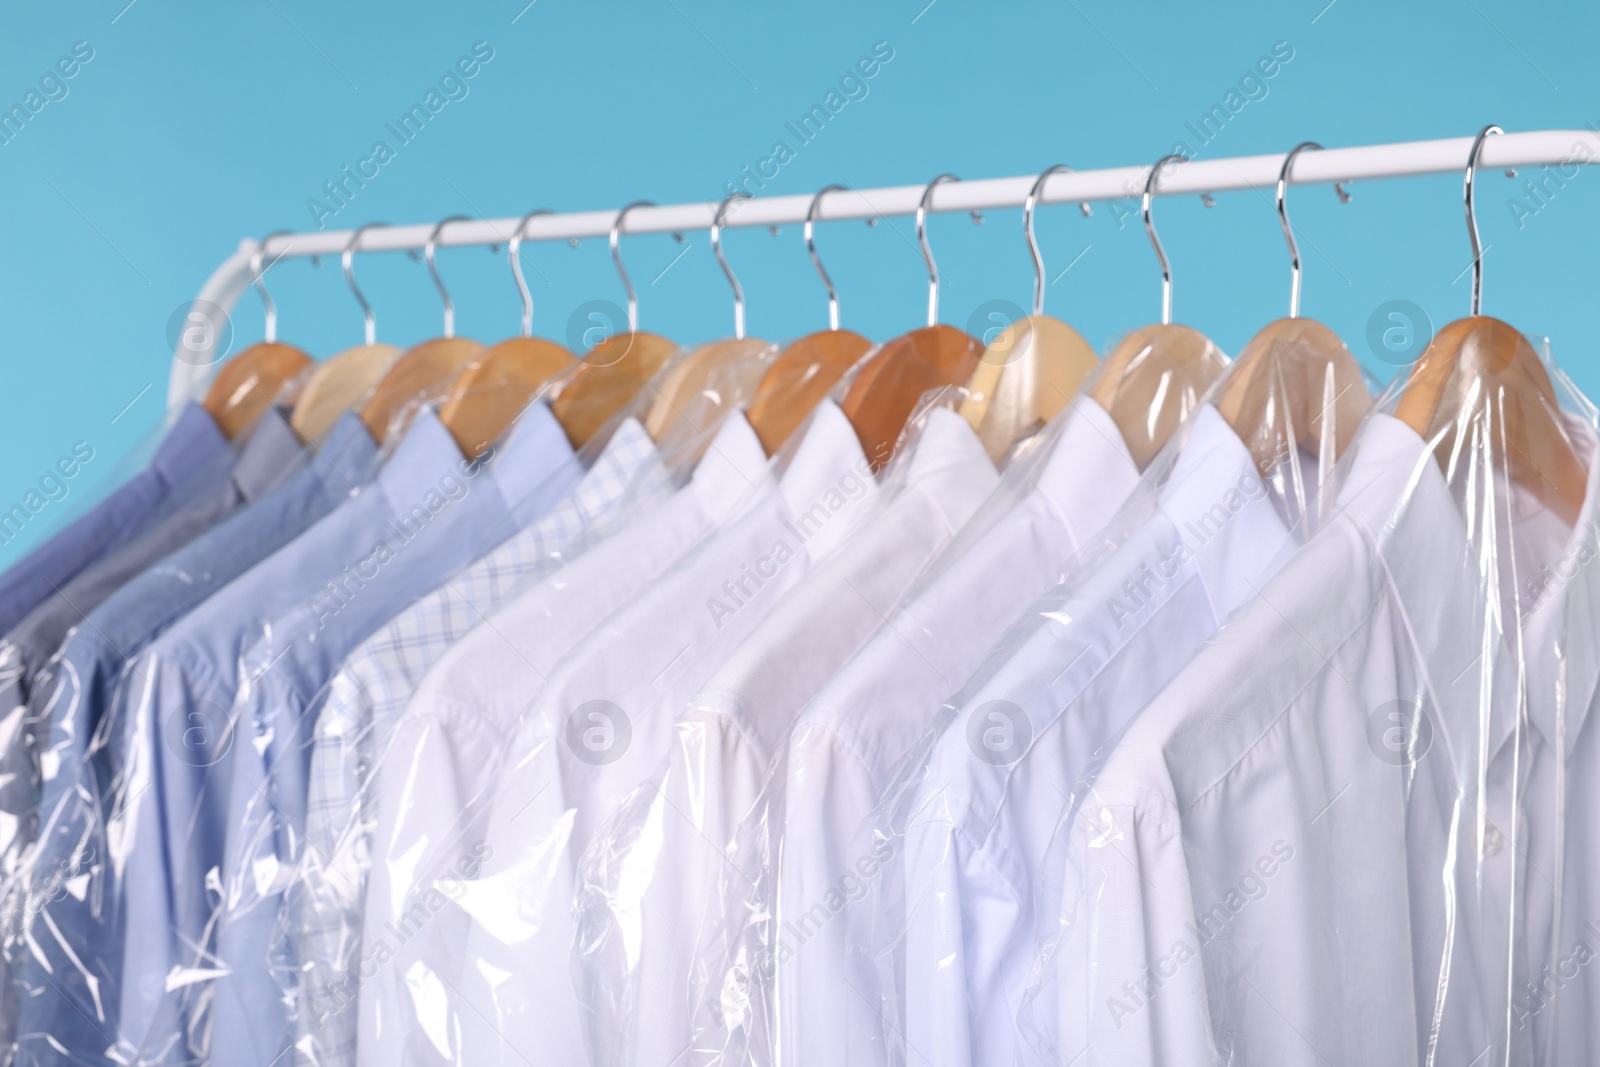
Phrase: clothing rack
{"type": "Point", "coordinates": [191, 367]}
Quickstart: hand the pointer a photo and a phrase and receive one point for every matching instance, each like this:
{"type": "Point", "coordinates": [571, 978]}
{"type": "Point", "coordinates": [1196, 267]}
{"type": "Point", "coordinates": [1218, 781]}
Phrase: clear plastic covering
{"type": "Point", "coordinates": [812, 946]}
{"type": "Point", "coordinates": [1349, 828]}
{"type": "Point", "coordinates": [181, 484]}
{"type": "Point", "coordinates": [652, 915]}
{"type": "Point", "coordinates": [1245, 726]}
{"type": "Point", "coordinates": [198, 750]}
{"type": "Point", "coordinates": [481, 888]}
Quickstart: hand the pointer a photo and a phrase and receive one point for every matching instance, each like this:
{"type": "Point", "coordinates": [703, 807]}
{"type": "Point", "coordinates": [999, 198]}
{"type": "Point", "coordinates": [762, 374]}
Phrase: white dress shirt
{"type": "Point", "coordinates": [809, 841]}
{"type": "Point", "coordinates": [1557, 998]}
{"type": "Point", "coordinates": [1293, 856]}
{"type": "Point", "coordinates": [321, 926]}
{"type": "Point", "coordinates": [430, 785]}
{"type": "Point", "coordinates": [1067, 680]}
{"type": "Point", "coordinates": [649, 897]}
{"type": "Point", "coordinates": [603, 722]}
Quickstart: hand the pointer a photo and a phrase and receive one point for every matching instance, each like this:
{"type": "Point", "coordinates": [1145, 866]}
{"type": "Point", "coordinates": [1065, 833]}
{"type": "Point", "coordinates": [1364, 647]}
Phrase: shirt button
{"type": "Point", "coordinates": [1493, 841]}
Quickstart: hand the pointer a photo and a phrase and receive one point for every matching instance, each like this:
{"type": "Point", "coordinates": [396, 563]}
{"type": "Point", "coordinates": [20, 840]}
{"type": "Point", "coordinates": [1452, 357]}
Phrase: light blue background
{"type": "Point", "coordinates": [198, 123]}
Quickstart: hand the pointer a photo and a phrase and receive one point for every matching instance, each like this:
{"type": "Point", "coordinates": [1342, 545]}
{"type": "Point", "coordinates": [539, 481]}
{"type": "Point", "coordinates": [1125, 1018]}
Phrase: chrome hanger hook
{"type": "Point", "coordinates": [270, 333]}
{"type": "Point", "coordinates": [433, 269]}
{"type": "Point", "coordinates": [811, 247]}
{"type": "Point", "coordinates": [1155, 240]}
{"type": "Point", "coordinates": [1288, 230]}
{"type": "Point", "coordinates": [350, 279]}
{"type": "Point", "coordinates": [716, 248]}
{"type": "Point", "coordinates": [514, 248]}
{"type": "Point", "coordinates": [1033, 242]}
{"type": "Point", "coordinates": [616, 257]}
{"type": "Point", "coordinates": [927, 253]}
{"type": "Point", "coordinates": [1472, 218]}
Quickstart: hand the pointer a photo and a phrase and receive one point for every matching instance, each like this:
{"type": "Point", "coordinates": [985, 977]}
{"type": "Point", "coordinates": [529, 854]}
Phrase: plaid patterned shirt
{"type": "Point", "coordinates": [320, 939]}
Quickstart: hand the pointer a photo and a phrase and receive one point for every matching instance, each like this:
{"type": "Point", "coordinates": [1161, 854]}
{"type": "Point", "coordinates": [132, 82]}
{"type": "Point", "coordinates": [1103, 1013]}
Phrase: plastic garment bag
{"type": "Point", "coordinates": [793, 898]}
{"type": "Point", "coordinates": [1348, 830]}
{"type": "Point", "coordinates": [651, 910]}
{"type": "Point", "coordinates": [295, 869]}
{"type": "Point", "coordinates": [969, 818]}
{"type": "Point", "coordinates": [598, 725]}
{"type": "Point", "coordinates": [433, 791]}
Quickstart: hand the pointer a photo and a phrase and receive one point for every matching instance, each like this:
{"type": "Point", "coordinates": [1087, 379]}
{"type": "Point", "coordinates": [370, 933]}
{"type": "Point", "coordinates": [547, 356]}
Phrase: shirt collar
{"type": "Point", "coordinates": [629, 459]}
{"type": "Point", "coordinates": [1217, 501]}
{"type": "Point", "coordinates": [1559, 639]}
{"type": "Point", "coordinates": [268, 456]}
{"type": "Point", "coordinates": [344, 460]}
{"type": "Point", "coordinates": [1089, 473]}
{"type": "Point", "coordinates": [1395, 493]}
{"type": "Point", "coordinates": [193, 440]}
{"type": "Point", "coordinates": [828, 468]}
{"type": "Point", "coordinates": [534, 450]}
{"type": "Point", "coordinates": [426, 459]}
{"type": "Point", "coordinates": [949, 460]}
{"type": "Point", "coordinates": [733, 466]}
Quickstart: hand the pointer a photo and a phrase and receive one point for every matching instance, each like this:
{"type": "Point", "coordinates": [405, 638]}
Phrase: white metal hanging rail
{"type": "Point", "coordinates": [193, 365]}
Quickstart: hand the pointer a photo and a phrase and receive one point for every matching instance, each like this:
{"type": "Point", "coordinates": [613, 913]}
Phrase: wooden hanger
{"type": "Point", "coordinates": [1480, 379]}
{"type": "Point", "coordinates": [257, 377]}
{"type": "Point", "coordinates": [797, 381]}
{"type": "Point", "coordinates": [337, 384]}
{"type": "Point", "coordinates": [424, 371]}
{"type": "Point", "coordinates": [1151, 381]}
{"type": "Point", "coordinates": [679, 407]}
{"type": "Point", "coordinates": [493, 389]}
{"type": "Point", "coordinates": [613, 371]}
{"type": "Point", "coordinates": [804, 372]}
{"type": "Point", "coordinates": [1033, 367]}
{"type": "Point", "coordinates": [1155, 375]}
{"type": "Point", "coordinates": [888, 385]}
{"type": "Point", "coordinates": [1296, 373]}
{"type": "Point", "coordinates": [341, 381]}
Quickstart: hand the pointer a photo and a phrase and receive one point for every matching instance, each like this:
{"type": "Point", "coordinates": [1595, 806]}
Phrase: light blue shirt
{"type": "Point", "coordinates": [72, 935]}
{"type": "Point", "coordinates": [226, 693]}
{"type": "Point", "coordinates": [192, 444]}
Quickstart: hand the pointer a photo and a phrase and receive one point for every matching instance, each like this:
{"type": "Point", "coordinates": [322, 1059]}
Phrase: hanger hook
{"type": "Point", "coordinates": [428, 247]}
{"type": "Point", "coordinates": [514, 248]}
{"type": "Point", "coordinates": [811, 246]}
{"type": "Point", "coordinates": [927, 253]}
{"type": "Point", "coordinates": [1472, 218]}
{"type": "Point", "coordinates": [350, 279]}
{"type": "Point", "coordinates": [716, 248]}
{"type": "Point", "coordinates": [1155, 240]}
{"type": "Point", "coordinates": [256, 272]}
{"type": "Point", "coordinates": [1033, 242]}
{"type": "Point", "coordinates": [616, 257]}
{"type": "Point", "coordinates": [1288, 230]}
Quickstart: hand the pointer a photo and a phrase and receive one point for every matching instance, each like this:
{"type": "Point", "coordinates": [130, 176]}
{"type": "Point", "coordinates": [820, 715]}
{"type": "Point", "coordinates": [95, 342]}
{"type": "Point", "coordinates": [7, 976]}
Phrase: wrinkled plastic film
{"type": "Point", "coordinates": [319, 956]}
{"type": "Point", "coordinates": [833, 914]}
{"type": "Point", "coordinates": [792, 955]}
{"type": "Point", "coordinates": [95, 826]}
{"type": "Point", "coordinates": [1350, 826]}
{"type": "Point", "coordinates": [653, 907]}
{"type": "Point", "coordinates": [42, 698]}
{"type": "Point", "coordinates": [518, 995]}
{"type": "Point", "coordinates": [429, 893]}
